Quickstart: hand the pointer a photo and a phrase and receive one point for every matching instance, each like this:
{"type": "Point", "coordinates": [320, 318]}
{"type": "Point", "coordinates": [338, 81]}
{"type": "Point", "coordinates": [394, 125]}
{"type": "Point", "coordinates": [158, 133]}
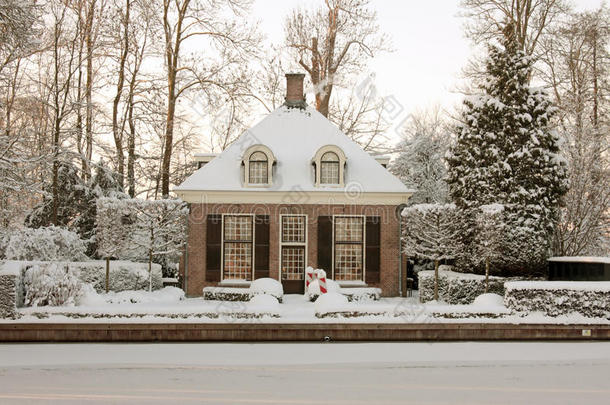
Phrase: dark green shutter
{"type": "Point", "coordinates": [213, 241]}
{"type": "Point", "coordinates": [325, 244]}
{"type": "Point", "coordinates": [261, 246]}
{"type": "Point", "coordinates": [373, 246]}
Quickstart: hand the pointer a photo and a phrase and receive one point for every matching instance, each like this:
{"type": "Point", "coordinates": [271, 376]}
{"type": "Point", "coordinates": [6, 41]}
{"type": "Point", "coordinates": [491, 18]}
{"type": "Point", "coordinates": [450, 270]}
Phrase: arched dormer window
{"type": "Point", "coordinates": [329, 162]}
{"type": "Point", "coordinates": [258, 163]}
{"type": "Point", "coordinates": [258, 168]}
{"type": "Point", "coordinates": [329, 168]}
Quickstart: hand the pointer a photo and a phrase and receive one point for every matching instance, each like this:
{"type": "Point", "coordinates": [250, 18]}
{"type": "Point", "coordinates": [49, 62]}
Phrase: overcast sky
{"type": "Point", "coordinates": [430, 48]}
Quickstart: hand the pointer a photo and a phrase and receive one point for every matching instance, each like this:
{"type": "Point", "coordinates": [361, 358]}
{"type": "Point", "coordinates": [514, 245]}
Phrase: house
{"type": "Point", "coordinates": [291, 192]}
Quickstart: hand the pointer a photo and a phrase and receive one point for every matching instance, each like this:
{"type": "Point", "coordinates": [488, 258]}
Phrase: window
{"type": "Point", "coordinates": [349, 248]}
{"type": "Point", "coordinates": [329, 168]}
{"type": "Point", "coordinates": [329, 162]}
{"type": "Point", "coordinates": [258, 162]}
{"type": "Point", "coordinates": [237, 247]}
{"type": "Point", "coordinates": [258, 168]}
{"type": "Point", "coordinates": [293, 246]}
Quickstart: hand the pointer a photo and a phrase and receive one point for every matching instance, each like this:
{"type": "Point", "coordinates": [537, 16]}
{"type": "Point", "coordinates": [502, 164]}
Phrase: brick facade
{"type": "Point", "coordinates": [195, 260]}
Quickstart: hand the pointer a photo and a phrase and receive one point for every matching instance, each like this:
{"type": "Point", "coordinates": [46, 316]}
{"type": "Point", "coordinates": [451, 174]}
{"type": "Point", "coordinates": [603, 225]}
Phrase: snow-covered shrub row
{"type": "Point", "coordinates": [124, 275]}
{"type": "Point", "coordinates": [555, 298]}
{"type": "Point", "coordinates": [457, 288]}
{"type": "Point", "coordinates": [53, 284]}
{"type": "Point", "coordinates": [45, 243]}
{"type": "Point", "coordinates": [226, 294]}
{"type": "Point", "coordinates": [11, 289]}
{"type": "Point", "coordinates": [362, 294]}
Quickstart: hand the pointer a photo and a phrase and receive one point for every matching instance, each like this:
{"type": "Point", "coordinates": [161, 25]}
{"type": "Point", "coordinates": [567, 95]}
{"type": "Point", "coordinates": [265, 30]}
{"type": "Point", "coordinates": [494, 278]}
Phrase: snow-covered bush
{"type": "Point", "coordinates": [53, 284]}
{"type": "Point", "coordinates": [11, 291]}
{"type": "Point", "coordinates": [264, 304]}
{"type": "Point", "coordinates": [124, 275]}
{"type": "Point", "coordinates": [457, 288]}
{"type": "Point", "coordinates": [331, 302]}
{"type": "Point", "coordinates": [268, 286]}
{"type": "Point", "coordinates": [46, 244]}
{"type": "Point", "coordinates": [554, 298]}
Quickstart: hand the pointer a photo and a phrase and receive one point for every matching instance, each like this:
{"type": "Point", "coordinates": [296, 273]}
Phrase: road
{"type": "Point", "coordinates": [325, 373]}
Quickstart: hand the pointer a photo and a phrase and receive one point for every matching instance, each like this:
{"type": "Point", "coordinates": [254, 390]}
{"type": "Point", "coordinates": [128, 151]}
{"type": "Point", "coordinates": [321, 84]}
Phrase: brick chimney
{"type": "Point", "coordinates": [294, 90]}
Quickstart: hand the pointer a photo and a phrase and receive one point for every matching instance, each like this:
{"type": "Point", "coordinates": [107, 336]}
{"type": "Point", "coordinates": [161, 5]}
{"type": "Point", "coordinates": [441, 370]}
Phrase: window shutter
{"type": "Point", "coordinates": [373, 245]}
{"type": "Point", "coordinates": [213, 240]}
{"type": "Point", "coordinates": [325, 244]}
{"type": "Point", "coordinates": [261, 246]}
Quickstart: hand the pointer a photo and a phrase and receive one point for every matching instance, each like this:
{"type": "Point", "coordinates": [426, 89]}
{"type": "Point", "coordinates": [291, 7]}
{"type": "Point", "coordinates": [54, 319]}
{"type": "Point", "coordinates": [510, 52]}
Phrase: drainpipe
{"type": "Point", "coordinates": [186, 251]}
{"type": "Point", "coordinates": [399, 209]}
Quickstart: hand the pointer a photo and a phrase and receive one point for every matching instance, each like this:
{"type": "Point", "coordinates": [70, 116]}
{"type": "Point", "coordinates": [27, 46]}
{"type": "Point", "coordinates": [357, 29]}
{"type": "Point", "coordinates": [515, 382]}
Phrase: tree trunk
{"type": "Point", "coordinates": [131, 153]}
{"type": "Point", "coordinates": [150, 257]}
{"type": "Point", "coordinates": [486, 275]}
{"type": "Point", "coordinates": [107, 274]}
{"type": "Point", "coordinates": [436, 280]}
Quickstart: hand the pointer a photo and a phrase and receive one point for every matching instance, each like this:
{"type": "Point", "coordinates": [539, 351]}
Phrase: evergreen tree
{"type": "Point", "coordinates": [506, 152]}
{"type": "Point", "coordinates": [77, 201]}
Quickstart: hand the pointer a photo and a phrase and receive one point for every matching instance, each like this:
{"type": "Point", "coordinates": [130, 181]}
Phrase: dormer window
{"type": "Point", "coordinates": [329, 164]}
{"type": "Point", "coordinates": [258, 164]}
{"type": "Point", "coordinates": [258, 168]}
{"type": "Point", "coordinates": [329, 168]}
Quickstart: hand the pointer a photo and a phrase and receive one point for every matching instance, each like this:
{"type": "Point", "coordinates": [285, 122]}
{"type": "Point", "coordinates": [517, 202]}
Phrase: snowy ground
{"type": "Point", "coordinates": [372, 373]}
{"type": "Point", "coordinates": [166, 307]}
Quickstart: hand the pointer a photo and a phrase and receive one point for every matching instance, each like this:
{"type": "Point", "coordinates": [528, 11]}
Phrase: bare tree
{"type": "Point", "coordinates": [531, 19]}
{"type": "Point", "coordinates": [229, 39]}
{"type": "Point", "coordinates": [333, 42]}
{"type": "Point", "coordinates": [576, 66]}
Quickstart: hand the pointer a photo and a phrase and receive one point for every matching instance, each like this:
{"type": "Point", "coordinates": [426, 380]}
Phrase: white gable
{"type": "Point", "coordinates": [294, 136]}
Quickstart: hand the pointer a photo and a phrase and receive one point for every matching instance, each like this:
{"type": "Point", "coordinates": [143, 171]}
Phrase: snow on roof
{"type": "Point", "coordinates": [294, 136]}
{"type": "Point", "coordinates": [580, 259]}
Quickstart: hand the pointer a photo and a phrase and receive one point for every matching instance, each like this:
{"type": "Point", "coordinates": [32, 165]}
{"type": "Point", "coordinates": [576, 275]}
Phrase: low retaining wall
{"type": "Point", "coordinates": [251, 332]}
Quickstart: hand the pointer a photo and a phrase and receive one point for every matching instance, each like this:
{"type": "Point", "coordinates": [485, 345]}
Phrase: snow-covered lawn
{"type": "Point", "coordinates": [169, 305]}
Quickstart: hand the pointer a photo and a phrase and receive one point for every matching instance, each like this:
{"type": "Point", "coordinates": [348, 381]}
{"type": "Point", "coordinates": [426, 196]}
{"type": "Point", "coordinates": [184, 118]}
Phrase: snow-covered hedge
{"type": "Point", "coordinates": [47, 243]}
{"type": "Point", "coordinates": [226, 294]}
{"type": "Point", "coordinates": [53, 284]}
{"type": "Point", "coordinates": [11, 289]}
{"type": "Point", "coordinates": [457, 288]}
{"type": "Point", "coordinates": [124, 275]}
{"type": "Point", "coordinates": [554, 298]}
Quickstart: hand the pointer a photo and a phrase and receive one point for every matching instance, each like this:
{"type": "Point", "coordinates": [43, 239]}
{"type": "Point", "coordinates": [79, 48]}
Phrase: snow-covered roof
{"type": "Point", "coordinates": [294, 136]}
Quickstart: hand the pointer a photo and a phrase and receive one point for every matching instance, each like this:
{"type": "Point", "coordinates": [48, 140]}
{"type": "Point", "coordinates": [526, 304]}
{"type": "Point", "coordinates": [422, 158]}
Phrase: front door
{"type": "Point", "coordinates": [293, 253]}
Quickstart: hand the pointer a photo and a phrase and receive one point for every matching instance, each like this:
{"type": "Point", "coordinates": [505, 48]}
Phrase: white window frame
{"type": "Point", "coordinates": [297, 244]}
{"type": "Point", "coordinates": [222, 247]}
{"type": "Point", "coordinates": [317, 162]}
{"type": "Point", "coordinates": [363, 249]}
{"type": "Point", "coordinates": [246, 163]}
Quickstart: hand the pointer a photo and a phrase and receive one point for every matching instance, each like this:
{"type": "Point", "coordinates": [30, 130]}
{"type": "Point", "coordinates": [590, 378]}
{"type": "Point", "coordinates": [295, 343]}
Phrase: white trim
{"type": "Point", "coordinates": [282, 244]}
{"type": "Point", "coordinates": [363, 243]}
{"type": "Point", "coordinates": [317, 161]}
{"type": "Point", "coordinates": [246, 162]}
{"type": "Point", "coordinates": [222, 245]}
{"type": "Point", "coordinates": [298, 197]}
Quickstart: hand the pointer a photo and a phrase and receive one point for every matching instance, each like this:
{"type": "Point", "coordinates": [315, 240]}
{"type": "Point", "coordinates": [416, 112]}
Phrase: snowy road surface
{"type": "Point", "coordinates": [332, 373]}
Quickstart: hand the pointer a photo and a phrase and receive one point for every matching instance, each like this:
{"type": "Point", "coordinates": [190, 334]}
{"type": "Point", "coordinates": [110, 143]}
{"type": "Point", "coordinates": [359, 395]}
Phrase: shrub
{"type": "Point", "coordinates": [554, 298]}
{"type": "Point", "coordinates": [457, 288]}
{"type": "Point", "coordinates": [53, 284]}
{"type": "Point", "coordinates": [45, 244]}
